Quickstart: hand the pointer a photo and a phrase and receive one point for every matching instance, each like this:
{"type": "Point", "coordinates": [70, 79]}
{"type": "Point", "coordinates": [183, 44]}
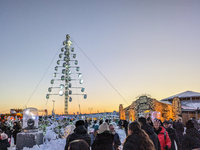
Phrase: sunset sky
{"type": "Point", "coordinates": [124, 48]}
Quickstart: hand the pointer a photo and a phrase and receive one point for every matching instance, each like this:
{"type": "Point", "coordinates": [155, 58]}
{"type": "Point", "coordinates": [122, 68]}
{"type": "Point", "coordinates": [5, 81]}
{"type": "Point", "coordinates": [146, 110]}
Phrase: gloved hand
{"type": "Point", "coordinates": [166, 147]}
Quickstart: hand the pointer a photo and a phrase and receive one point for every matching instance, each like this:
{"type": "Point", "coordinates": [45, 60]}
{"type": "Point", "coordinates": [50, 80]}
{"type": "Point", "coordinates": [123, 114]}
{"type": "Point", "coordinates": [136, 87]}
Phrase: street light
{"type": "Point", "coordinates": [90, 109]}
{"type": "Point", "coordinates": [53, 113]}
{"type": "Point", "coordinates": [53, 106]}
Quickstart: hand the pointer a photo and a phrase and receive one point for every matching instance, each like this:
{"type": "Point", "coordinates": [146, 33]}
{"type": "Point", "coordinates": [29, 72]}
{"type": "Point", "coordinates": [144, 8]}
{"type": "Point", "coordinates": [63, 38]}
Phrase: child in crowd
{"type": "Point", "coordinates": [4, 142]}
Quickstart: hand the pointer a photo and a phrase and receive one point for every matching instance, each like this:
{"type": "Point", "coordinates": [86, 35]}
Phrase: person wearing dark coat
{"type": "Point", "coordinates": [125, 125]}
{"type": "Point", "coordinates": [120, 123]}
{"type": "Point", "coordinates": [179, 129]}
{"type": "Point", "coordinates": [191, 140]}
{"type": "Point", "coordinates": [137, 139]}
{"type": "Point", "coordinates": [150, 131]}
{"type": "Point", "coordinates": [104, 138]}
{"type": "Point", "coordinates": [100, 122]}
{"type": "Point", "coordinates": [107, 121]}
{"type": "Point", "coordinates": [172, 135]}
{"type": "Point", "coordinates": [8, 132]}
{"type": "Point", "coordinates": [79, 133]}
{"type": "Point", "coordinates": [4, 142]}
{"type": "Point", "coordinates": [116, 141]}
{"type": "Point", "coordinates": [196, 126]}
{"type": "Point", "coordinates": [149, 121]}
{"type": "Point", "coordinates": [86, 124]}
{"type": "Point", "coordinates": [16, 129]}
{"type": "Point", "coordinates": [3, 126]}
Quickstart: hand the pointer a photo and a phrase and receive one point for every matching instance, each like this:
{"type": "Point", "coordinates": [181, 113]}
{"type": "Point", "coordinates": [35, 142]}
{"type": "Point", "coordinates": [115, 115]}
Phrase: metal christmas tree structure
{"type": "Point", "coordinates": [66, 58]}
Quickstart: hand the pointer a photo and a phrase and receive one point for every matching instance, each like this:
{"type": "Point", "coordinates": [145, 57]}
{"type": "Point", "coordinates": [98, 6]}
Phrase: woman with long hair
{"type": "Point", "coordinates": [78, 145]}
{"type": "Point", "coordinates": [137, 139]}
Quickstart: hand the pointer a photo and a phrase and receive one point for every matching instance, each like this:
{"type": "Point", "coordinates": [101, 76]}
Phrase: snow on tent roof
{"type": "Point", "coordinates": [166, 102]}
{"type": "Point", "coordinates": [191, 104]}
{"type": "Point", "coordinates": [184, 108]}
{"type": "Point", "coordinates": [184, 94]}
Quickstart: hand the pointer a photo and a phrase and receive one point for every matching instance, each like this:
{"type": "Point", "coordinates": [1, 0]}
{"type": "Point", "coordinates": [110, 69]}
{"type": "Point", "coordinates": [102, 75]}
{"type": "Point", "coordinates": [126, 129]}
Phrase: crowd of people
{"type": "Point", "coordinates": [143, 134]}
{"type": "Point", "coordinates": [104, 137]}
{"type": "Point", "coordinates": [6, 132]}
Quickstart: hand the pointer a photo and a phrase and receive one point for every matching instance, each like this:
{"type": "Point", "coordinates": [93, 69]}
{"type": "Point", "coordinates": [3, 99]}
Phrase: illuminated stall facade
{"type": "Point", "coordinates": [144, 106]}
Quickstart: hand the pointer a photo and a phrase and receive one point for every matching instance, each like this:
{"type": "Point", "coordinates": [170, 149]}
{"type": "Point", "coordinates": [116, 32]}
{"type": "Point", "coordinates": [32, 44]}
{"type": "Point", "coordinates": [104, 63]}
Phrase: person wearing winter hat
{"type": "Point", "coordinates": [103, 127]}
{"type": "Point", "coordinates": [4, 136]}
{"type": "Point", "coordinates": [172, 135]}
{"type": "Point", "coordinates": [165, 142]}
{"type": "Point", "coordinates": [79, 123]}
{"type": "Point", "coordinates": [4, 144]}
{"type": "Point", "coordinates": [80, 132]}
{"type": "Point", "coordinates": [149, 130]}
{"type": "Point", "coordinates": [104, 138]}
{"type": "Point", "coordinates": [171, 123]}
{"type": "Point", "coordinates": [179, 129]}
{"type": "Point", "coordinates": [191, 140]}
{"type": "Point", "coordinates": [149, 121]}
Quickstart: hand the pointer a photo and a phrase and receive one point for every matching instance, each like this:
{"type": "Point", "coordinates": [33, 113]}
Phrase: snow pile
{"type": "Point", "coordinates": [122, 135]}
{"type": "Point", "coordinates": [58, 144]}
{"type": "Point", "coordinates": [50, 135]}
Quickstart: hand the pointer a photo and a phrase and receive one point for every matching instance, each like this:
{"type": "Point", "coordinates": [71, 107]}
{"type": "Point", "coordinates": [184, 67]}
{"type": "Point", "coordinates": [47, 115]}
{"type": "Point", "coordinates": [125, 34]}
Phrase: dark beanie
{"type": "Point", "coordinates": [79, 122]}
{"type": "Point", "coordinates": [142, 120]}
{"type": "Point", "coordinates": [189, 124]}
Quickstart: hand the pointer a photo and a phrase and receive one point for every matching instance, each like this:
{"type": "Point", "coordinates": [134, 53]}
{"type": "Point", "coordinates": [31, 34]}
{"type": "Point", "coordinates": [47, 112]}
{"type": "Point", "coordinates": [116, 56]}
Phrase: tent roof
{"type": "Point", "coordinates": [184, 94]}
{"type": "Point", "coordinates": [166, 102]}
{"type": "Point", "coordinates": [189, 105]}
{"type": "Point", "coordinates": [195, 104]}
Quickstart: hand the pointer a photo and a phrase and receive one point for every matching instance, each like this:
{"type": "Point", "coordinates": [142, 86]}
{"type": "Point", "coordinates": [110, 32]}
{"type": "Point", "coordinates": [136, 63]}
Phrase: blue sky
{"type": "Point", "coordinates": [139, 46]}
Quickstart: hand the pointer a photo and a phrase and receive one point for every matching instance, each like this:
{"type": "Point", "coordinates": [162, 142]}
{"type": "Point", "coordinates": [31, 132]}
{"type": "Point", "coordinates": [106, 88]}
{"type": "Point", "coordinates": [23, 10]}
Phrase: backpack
{"type": "Point", "coordinates": [165, 135]}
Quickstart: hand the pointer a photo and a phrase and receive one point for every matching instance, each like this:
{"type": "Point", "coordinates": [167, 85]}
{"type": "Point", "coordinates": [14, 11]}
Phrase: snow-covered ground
{"type": "Point", "coordinates": [122, 135]}
{"type": "Point", "coordinates": [59, 144]}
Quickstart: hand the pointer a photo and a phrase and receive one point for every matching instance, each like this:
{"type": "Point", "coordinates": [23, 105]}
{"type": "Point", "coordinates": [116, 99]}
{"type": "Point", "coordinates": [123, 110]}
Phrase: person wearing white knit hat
{"type": "Point", "coordinates": [4, 141]}
{"type": "Point", "coordinates": [104, 138]}
{"type": "Point", "coordinates": [4, 136]}
{"type": "Point", "coordinates": [103, 127]}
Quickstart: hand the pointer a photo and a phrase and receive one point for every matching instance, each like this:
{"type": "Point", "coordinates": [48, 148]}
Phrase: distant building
{"type": "Point", "coordinates": [144, 106]}
{"type": "Point", "coordinates": [190, 104]}
{"type": "Point", "coordinates": [180, 106]}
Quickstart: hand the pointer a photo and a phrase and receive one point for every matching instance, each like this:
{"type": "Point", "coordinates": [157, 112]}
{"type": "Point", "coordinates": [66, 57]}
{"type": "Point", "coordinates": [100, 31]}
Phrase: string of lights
{"type": "Point", "coordinates": [43, 76]}
{"type": "Point", "coordinates": [100, 72]}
